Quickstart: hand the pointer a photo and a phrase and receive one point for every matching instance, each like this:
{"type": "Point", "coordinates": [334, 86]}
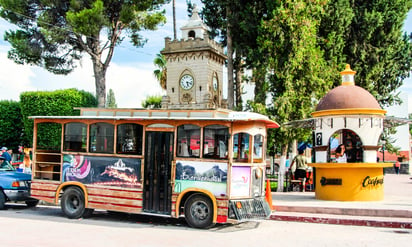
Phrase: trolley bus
{"type": "Point", "coordinates": [205, 165]}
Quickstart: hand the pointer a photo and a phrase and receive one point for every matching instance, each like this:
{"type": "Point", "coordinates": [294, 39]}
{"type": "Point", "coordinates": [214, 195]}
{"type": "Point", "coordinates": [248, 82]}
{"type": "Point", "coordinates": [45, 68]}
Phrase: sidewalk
{"type": "Point", "coordinates": [394, 211]}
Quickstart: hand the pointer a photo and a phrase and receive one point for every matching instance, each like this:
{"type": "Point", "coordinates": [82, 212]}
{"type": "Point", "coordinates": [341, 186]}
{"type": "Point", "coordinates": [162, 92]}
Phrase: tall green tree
{"type": "Point", "coordinates": [298, 73]}
{"type": "Point", "coordinates": [54, 34]}
{"type": "Point", "coordinates": [244, 18]}
{"type": "Point", "coordinates": [111, 99]}
{"type": "Point", "coordinates": [333, 34]}
{"type": "Point", "coordinates": [368, 35]}
{"type": "Point", "coordinates": [219, 15]}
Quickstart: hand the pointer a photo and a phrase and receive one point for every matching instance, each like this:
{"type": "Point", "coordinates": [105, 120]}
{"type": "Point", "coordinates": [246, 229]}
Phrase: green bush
{"type": "Point", "coordinates": [11, 124]}
{"type": "Point", "coordinates": [52, 103]}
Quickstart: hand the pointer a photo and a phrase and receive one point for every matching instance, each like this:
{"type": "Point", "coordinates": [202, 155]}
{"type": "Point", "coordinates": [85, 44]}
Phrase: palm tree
{"type": "Point", "coordinates": [161, 72]}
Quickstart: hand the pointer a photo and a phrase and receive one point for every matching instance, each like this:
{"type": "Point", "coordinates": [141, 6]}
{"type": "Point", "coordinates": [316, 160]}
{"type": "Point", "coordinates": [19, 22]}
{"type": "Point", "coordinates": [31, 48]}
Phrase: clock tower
{"type": "Point", "coordinates": [194, 69]}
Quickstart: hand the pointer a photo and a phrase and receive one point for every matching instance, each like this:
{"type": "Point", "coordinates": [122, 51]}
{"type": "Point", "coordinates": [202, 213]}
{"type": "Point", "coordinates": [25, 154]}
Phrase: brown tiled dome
{"type": "Point", "coordinates": [347, 97]}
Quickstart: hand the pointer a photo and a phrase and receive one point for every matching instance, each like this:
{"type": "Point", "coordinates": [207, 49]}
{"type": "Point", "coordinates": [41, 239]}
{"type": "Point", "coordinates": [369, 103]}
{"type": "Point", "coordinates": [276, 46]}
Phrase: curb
{"type": "Point", "coordinates": [340, 221]}
{"type": "Point", "coordinates": [370, 212]}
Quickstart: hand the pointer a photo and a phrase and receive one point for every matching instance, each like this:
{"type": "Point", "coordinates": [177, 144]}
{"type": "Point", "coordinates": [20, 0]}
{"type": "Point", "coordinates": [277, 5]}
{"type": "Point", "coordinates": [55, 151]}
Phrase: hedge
{"type": "Point", "coordinates": [52, 103]}
{"type": "Point", "coordinates": [11, 124]}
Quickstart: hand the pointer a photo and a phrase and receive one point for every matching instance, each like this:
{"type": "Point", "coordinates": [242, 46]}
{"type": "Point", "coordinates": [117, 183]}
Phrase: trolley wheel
{"type": "Point", "coordinates": [2, 200]}
{"type": "Point", "coordinates": [73, 203]}
{"type": "Point", "coordinates": [199, 211]}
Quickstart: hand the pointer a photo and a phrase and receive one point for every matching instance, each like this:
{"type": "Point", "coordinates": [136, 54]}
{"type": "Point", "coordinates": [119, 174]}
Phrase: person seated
{"type": "Point", "coordinates": [4, 164]}
{"type": "Point", "coordinates": [6, 155]}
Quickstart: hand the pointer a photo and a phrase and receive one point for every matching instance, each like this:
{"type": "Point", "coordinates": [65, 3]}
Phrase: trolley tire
{"type": "Point", "coordinates": [32, 203]}
{"type": "Point", "coordinates": [73, 203]}
{"type": "Point", "coordinates": [199, 211]}
{"type": "Point", "coordinates": [2, 200]}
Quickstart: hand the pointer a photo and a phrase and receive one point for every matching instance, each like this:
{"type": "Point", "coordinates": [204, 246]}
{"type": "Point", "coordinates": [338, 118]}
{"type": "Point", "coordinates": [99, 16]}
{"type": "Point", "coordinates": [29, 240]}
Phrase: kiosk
{"type": "Point", "coordinates": [349, 115]}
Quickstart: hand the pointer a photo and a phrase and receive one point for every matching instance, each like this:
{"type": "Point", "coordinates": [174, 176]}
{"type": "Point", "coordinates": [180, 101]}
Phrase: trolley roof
{"type": "Point", "coordinates": [162, 114]}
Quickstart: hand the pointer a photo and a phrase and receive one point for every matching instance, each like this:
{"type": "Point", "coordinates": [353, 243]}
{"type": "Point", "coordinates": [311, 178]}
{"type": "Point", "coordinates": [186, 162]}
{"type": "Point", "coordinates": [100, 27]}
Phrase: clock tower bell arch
{"type": "Point", "coordinates": [194, 69]}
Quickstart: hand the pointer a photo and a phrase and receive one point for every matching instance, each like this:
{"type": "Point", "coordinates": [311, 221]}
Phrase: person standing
{"type": "Point", "coordinates": [397, 166]}
{"type": "Point", "coordinates": [300, 161]}
{"type": "Point", "coordinates": [287, 163]}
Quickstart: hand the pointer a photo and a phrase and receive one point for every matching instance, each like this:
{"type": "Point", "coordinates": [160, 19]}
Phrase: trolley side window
{"type": "Point", "coordinates": [101, 138]}
{"type": "Point", "coordinates": [258, 148]}
{"type": "Point", "coordinates": [241, 147]}
{"type": "Point", "coordinates": [188, 141]}
{"type": "Point", "coordinates": [215, 142]}
{"type": "Point", "coordinates": [75, 137]}
{"type": "Point", "coordinates": [129, 139]}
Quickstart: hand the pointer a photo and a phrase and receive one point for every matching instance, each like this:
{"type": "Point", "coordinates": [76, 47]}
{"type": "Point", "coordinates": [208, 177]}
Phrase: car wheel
{"type": "Point", "coordinates": [199, 211]}
{"type": "Point", "coordinates": [32, 203]}
{"type": "Point", "coordinates": [2, 200]}
{"type": "Point", "coordinates": [73, 203]}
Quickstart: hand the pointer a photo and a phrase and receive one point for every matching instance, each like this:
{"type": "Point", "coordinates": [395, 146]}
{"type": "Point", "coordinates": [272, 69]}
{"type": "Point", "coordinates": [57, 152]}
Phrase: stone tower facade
{"type": "Point", "coordinates": [194, 69]}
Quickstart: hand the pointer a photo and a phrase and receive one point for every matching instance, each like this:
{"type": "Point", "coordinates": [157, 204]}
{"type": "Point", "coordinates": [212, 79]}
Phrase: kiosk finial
{"type": "Point", "coordinates": [348, 76]}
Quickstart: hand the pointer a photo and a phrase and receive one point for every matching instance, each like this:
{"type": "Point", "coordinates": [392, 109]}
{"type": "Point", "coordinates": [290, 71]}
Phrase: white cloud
{"type": "Point", "coordinates": [132, 84]}
{"type": "Point", "coordinates": [13, 78]}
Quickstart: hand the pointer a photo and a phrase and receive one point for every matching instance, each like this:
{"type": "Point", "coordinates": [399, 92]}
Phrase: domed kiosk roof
{"type": "Point", "coordinates": [344, 97]}
{"type": "Point", "coordinates": [348, 99]}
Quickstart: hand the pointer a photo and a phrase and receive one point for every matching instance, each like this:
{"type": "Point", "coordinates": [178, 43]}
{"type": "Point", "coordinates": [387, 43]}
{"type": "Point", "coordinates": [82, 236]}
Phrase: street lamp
{"type": "Point", "coordinates": [383, 150]}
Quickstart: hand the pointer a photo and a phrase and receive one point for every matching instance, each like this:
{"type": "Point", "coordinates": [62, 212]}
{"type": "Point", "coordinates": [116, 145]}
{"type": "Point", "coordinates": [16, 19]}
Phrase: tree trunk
{"type": "Point", "coordinates": [294, 148]}
{"type": "Point", "coordinates": [238, 82]}
{"type": "Point", "coordinates": [282, 168]}
{"type": "Point", "coordinates": [174, 19]}
{"type": "Point", "coordinates": [230, 85]}
{"type": "Point", "coordinates": [100, 81]}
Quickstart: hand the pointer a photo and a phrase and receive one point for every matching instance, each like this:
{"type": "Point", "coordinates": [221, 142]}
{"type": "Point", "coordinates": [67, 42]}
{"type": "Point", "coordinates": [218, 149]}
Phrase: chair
{"type": "Point", "coordinates": [297, 185]}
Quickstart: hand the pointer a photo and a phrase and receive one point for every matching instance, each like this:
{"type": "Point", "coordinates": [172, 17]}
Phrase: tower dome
{"type": "Point", "coordinates": [348, 99]}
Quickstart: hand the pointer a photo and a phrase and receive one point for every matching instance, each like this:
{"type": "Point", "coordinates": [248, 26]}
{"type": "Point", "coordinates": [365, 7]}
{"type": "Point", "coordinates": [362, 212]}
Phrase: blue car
{"type": "Point", "coordinates": [14, 186]}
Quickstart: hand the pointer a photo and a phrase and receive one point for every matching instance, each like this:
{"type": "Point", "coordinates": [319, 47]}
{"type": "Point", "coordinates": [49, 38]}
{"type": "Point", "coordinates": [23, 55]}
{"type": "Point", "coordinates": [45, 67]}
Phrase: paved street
{"type": "Point", "coordinates": [46, 226]}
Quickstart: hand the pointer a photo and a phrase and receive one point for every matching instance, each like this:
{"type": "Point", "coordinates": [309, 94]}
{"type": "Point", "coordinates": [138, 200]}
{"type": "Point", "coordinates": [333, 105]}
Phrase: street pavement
{"type": "Point", "coordinates": [394, 211]}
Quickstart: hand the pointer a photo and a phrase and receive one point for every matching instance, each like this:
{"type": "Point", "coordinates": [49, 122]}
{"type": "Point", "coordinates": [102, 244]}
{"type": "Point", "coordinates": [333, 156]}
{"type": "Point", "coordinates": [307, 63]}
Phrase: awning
{"type": "Point", "coordinates": [309, 123]}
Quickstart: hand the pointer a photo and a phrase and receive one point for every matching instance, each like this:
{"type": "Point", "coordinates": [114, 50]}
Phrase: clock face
{"type": "Point", "coordinates": [186, 82]}
{"type": "Point", "coordinates": [214, 83]}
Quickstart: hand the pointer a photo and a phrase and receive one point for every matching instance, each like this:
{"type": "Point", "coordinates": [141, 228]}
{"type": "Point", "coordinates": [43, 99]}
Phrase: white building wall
{"type": "Point", "coordinates": [368, 128]}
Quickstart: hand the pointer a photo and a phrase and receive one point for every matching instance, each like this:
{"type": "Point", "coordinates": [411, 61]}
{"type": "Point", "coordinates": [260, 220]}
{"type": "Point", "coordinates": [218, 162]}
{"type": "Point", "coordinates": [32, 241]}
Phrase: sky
{"type": "Point", "coordinates": [130, 74]}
